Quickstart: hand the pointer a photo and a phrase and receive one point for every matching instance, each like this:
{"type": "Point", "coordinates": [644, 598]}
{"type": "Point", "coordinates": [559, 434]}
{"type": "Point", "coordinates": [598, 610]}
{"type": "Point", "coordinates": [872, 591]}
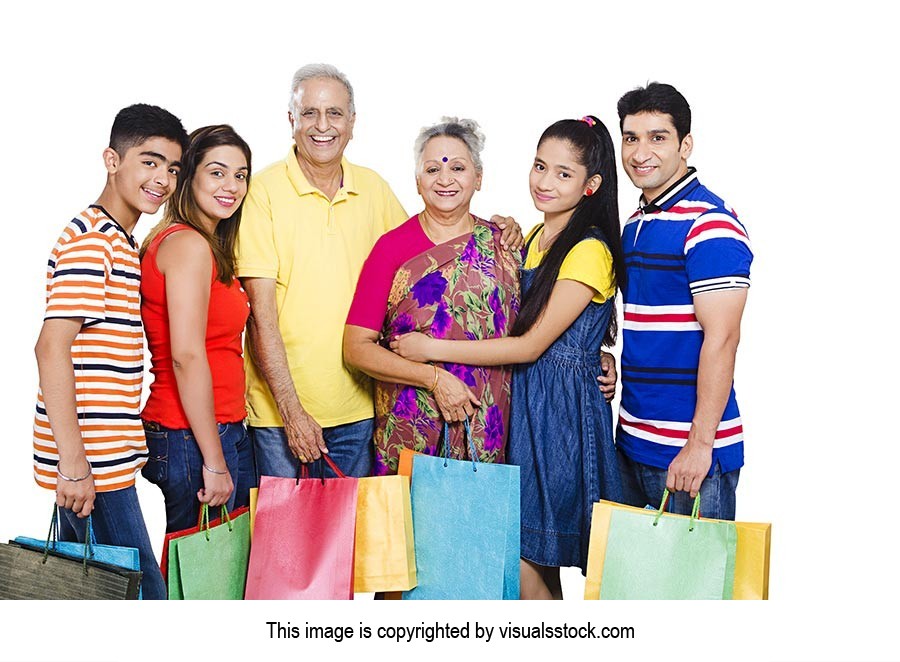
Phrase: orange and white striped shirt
{"type": "Point", "coordinates": [94, 273]}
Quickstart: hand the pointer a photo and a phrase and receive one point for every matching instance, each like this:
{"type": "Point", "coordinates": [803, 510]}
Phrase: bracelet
{"type": "Point", "coordinates": [74, 480]}
{"type": "Point", "coordinates": [434, 386]}
{"type": "Point", "coordinates": [213, 471]}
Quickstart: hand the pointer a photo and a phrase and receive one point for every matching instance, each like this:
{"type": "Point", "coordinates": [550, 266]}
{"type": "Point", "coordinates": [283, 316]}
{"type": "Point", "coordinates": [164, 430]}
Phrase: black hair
{"type": "Point", "coordinates": [139, 122]}
{"type": "Point", "coordinates": [182, 207]}
{"type": "Point", "coordinates": [593, 147]}
{"type": "Point", "coordinates": [657, 98]}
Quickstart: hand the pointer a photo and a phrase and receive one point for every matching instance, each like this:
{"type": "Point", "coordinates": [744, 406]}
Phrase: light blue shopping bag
{"type": "Point", "coordinates": [466, 528]}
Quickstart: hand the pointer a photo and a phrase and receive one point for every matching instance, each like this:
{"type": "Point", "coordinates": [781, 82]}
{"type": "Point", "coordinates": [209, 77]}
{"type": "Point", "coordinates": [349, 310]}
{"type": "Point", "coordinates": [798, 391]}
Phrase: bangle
{"type": "Point", "coordinates": [214, 471]}
{"type": "Point", "coordinates": [434, 386]}
{"type": "Point", "coordinates": [73, 480]}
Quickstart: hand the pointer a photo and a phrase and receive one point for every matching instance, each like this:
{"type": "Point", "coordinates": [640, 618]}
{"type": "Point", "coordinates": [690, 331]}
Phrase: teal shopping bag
{"type": "Point", "coordinates": [125, 557]}
{"type": "Point", "coordinates": [651, 555]}
{"type": "Point", "coordinates": [466, 528]}
{"type": "Point", "coordinates": [212, 563]}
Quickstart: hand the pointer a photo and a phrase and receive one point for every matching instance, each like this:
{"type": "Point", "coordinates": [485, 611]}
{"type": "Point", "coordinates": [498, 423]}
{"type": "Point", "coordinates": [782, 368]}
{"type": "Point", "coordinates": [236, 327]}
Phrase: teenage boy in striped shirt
{"type": "Point", "coordinates": [88, 438]}
{"type": "Point", "coordinates": [687, 273]}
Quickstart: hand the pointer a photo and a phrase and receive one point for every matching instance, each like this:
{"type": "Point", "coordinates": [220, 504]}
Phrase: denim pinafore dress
{"type": "Point", "coordinates": [561, 435]}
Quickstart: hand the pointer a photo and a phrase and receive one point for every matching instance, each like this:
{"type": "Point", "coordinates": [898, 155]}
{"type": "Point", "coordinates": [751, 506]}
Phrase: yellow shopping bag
{"type": "Point", "coordinates": [254, 494]}
{"type": "Point", "coordinates": [751, 565]}
{"type": "Point", "coordinates": [385, 553]}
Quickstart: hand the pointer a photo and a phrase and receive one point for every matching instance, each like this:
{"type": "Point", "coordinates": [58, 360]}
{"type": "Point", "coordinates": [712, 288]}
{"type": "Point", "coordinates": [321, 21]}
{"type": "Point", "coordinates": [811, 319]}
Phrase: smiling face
{"type": "Point", "coordinates": [652, 155]}
{"type": "Point", "coordinates": [558, 180]}
{"type": "Point", "coordinates": [447, 179]}
{"type": "Point", "coordinates": [144, 177]}
{"type": "Point", "coordinates": [220, 184]}
{"type": "Point", "coordinates": [321, 121]}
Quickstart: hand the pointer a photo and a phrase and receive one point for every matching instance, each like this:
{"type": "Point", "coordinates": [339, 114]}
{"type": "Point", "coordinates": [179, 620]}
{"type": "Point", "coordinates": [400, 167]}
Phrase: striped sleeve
{"type": "Point", "coordinates": [77, 274]}
{"type": "Point", "coordinates": [717, 253]}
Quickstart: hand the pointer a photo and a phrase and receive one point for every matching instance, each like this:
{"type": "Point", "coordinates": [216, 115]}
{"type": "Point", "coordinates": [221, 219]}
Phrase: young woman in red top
{"type": "Point", "coordinates": [194, 312]}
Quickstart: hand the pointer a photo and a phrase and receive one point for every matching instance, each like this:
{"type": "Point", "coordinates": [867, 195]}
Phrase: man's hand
{"type": "Point", "coordinates": [511, 237]}
{"type": "Point", "coordinates": [304, 437]}
{"type": "Point", "coordinates": [77, 496]}
{"type": "Point", "coordinates": [689, 468]}
{"type": "Point", "coordinates": [608, 378]}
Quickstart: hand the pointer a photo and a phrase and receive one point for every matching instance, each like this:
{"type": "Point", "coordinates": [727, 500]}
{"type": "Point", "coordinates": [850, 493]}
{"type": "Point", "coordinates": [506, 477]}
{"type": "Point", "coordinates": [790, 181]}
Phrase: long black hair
{"type": "Point", "coordinates": [593, 148]}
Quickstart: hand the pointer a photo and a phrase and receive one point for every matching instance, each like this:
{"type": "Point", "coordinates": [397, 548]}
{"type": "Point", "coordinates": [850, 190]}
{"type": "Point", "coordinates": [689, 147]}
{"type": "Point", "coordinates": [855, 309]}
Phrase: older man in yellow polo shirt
{"type": "Point", "coordinates": [309, 222]}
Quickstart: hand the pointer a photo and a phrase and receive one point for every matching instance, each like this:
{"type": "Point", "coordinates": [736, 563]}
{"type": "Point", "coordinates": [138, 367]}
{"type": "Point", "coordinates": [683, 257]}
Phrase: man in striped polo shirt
{"type": "Point", "coordinates": [88, 438]}
{"type": "Point", "coordinates": [688, 269]}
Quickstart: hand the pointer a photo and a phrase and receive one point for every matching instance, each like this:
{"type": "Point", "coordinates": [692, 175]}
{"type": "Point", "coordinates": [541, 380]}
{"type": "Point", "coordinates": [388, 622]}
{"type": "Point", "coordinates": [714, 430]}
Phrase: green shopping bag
{"type": "Point", "coordinates": [212, 563]}
{"type": "Point", "coordinates": [654, 555]}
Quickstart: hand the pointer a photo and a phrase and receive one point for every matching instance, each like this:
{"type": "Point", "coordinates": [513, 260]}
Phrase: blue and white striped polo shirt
{"type": "Point", "coordinates": [684, 243]}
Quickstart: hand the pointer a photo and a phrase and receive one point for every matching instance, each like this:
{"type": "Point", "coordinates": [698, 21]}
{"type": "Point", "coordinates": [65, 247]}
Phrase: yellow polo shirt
{"type": "Point", "coordinates": [314, 249]}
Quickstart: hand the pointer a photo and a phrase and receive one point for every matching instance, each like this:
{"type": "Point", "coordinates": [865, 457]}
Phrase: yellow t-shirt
{"type": "Point", "coordinates": [589, 262]}
{"type": "Point", "coordinates": [314, 249]}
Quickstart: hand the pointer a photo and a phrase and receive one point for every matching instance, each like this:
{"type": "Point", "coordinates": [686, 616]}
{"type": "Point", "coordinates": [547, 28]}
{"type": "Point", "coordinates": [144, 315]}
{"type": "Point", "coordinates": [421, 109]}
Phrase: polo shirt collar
{"type": "Point", "coordinates": [303, 187]}
{"type": "Point", "coordinates": [670, 195]}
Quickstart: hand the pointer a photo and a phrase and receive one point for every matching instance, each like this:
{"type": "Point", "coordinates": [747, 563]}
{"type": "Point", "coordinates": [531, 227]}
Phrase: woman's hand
{"type": "Point", "coordinates": [511, 237]}
{"type": "Point", "coordinates": [455, 400]}
{"type": "Point", "coordinates": [217, 488]}
{"type": "Point", "coordinates": [413, 346]}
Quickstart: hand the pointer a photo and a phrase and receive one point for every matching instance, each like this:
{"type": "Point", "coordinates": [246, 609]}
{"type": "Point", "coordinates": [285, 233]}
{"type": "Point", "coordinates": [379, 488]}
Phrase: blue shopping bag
{"type": "Point", "coordinates": [124, 557]}
{"type": "Point", "coordinates": [466, 528]}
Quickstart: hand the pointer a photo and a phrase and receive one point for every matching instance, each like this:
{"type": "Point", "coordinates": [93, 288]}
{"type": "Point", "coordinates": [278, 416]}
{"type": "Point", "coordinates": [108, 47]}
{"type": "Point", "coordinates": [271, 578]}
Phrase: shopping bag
{"type": "Point", "coordinates": [174, 535]}
{"type": "Point", "coordinates": [645, 554]}
{"type": "Point", "coordinates": [254, 495]}
{"type": "Point", "coordinates": [124, 557]}
{"type": "Point", "coordinates": [212, 563]}
{"type": "Point", "coordinates": [404, 464]}
{"type": "Point", "coordinates": [466, 523]}
{"type": "Point", "coordinates": [385, 550]}
{"type": "Point", "coordinates": [303, 539]}
{"type": "Point", "coordinates": [29, 573]}
{"type": "Point", "coordinates": [751, 563]}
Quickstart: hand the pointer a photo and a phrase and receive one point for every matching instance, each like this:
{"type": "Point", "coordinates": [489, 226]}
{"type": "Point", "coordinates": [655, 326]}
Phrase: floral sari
{"type": "Point", "coordinates": [463, 289]}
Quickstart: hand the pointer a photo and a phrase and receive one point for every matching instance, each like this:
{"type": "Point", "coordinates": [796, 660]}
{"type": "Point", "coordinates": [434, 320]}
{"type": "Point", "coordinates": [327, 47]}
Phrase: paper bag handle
{"type": "Point", "coordinates": [446, 444]}
{"type": "Point", "coordinates": [303, 468]}
{"type": "Point", "coordinates": [695, 511]}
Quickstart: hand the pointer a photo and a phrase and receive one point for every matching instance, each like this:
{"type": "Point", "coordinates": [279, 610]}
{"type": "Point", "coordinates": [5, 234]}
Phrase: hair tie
{"type": "Point", "coordinates": [590, 121]}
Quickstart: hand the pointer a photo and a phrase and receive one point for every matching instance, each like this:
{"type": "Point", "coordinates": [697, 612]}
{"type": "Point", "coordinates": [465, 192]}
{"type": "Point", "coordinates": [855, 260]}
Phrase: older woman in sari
{"type": "Point", "coordinates": [445, 273]}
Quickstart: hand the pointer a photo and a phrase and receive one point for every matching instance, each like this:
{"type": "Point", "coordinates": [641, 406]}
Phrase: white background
{"type": "Point", "coordinates": [794, 125]}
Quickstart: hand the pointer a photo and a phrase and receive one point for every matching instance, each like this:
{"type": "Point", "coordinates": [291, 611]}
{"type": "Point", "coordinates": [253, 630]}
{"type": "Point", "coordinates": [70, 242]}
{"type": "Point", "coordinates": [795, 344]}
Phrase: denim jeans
{"type": "Point", "coordinates": [350, 446]}
{"type": "Point", "coordinates": [176, 466]}
{"type": "Point", "coordinates": [643, 485]}
{"type": "Point", "coordinates": [117, 520]}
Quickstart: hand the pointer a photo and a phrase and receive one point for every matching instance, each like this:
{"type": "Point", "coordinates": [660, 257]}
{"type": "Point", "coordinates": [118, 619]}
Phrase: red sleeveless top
{"type": "Point", "coordinates": [229, 308]}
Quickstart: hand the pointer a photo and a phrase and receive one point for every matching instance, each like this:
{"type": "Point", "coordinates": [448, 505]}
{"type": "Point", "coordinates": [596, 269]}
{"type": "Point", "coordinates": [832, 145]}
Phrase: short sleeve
{"type": "Point", "coordinates": [717, 253]}
{"type": "Point", "coordinates": [590, 262]}
{"type": "Point", "coordinates": [77, 277]}
{"type": "Point", "coordinates": [370, 300]}
{"type": "Point", "coordinates": [255, 253]}
{"type": "Point", "coordinates": [394, 215]}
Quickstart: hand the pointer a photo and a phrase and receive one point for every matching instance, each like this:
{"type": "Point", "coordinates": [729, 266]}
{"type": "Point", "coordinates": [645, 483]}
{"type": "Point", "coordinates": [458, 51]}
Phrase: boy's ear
{"type": "Point", "coordinates": [111, 160]}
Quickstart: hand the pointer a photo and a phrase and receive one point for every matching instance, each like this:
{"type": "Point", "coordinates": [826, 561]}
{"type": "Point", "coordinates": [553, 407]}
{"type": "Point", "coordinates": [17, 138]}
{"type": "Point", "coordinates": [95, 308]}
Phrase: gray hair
{"type": "Point", "coordinates": [465, 130]}
{"type": "Point", "coordinates": [319, 70]}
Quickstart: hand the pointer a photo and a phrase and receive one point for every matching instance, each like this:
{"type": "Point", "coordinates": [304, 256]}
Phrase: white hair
{"type": "Point", "coordinates": [319, 70]}
{"type": "Point", "coordinates": [463, 129]}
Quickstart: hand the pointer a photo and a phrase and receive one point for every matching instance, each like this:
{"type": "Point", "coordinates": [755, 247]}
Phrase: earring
{"type": "Point", "coordinates": [589, 192]}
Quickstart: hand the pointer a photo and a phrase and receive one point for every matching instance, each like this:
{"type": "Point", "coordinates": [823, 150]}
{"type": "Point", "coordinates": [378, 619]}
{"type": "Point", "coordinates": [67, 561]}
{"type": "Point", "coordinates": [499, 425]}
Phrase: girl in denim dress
{"type": "Point", "coordinates": [561, 432]}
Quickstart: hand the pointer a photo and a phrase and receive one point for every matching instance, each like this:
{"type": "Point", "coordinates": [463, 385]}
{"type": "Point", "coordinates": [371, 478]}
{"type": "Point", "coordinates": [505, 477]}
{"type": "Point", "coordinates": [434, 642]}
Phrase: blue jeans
{"type": "Point", "coordinates": [118, 520]}
{"type": "Point", "coordinates": [643, 485]}
{"type": "Point", "coordinates": [176, 466]}
{"type": "Point", "coordinates": [349, 445]}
